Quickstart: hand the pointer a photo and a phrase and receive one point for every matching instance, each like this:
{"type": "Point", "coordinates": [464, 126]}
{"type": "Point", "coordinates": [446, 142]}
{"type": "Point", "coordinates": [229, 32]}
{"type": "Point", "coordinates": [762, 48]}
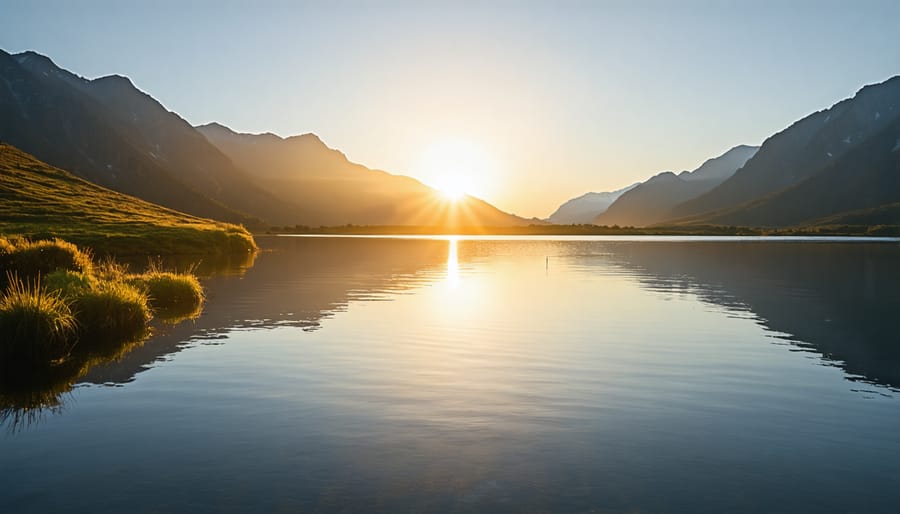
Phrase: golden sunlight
{"type": "Point", "coordinates": [452, 262]}
{"type": "Point", "coordinates": [456, 168]}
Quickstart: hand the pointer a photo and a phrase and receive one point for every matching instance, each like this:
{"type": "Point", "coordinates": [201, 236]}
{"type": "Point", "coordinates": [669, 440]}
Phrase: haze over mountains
{"type": "Point", "coordinates": [107, 131]}
{"type": "Point", "coordinates": [586, 207]}
{"type": "Point", "coordinates": [335, 191]}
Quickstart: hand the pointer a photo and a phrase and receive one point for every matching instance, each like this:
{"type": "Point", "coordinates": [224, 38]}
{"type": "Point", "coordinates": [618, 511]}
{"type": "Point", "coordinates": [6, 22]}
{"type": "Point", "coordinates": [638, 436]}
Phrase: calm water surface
{"type": "Point", "coordinates": [517, 375]}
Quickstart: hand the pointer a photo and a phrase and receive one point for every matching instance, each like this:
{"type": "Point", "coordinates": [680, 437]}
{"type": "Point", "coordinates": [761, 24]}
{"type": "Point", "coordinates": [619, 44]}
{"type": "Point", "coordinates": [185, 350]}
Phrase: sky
{"type": "Point", "coordinates": [545, 101]}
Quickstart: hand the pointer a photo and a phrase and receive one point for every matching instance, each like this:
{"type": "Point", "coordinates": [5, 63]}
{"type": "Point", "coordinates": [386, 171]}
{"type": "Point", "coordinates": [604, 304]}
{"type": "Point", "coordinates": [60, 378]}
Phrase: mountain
{"type": "Point", "coordinates": [107, 131]}
{"type": "Point", "coordinates": [653, 200]}
{"type": "Point", "coordinates": [335, 191]}
{"type": "Point", "coordinates": [866, 177]}
{"type": "Point", "coordinates": [825, 140]}
{"type": "Point", "coordinates": [585, 208]}
{"type": "Point", "coordinates": [40, 201]}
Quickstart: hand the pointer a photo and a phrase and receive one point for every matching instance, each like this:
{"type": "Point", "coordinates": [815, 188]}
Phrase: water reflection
{"type": "Point", "coordinates": [838, 300]}
{"type": "Point", "coordinates": [297, 282]}
{"type": "Point", "coordinates": [26, 399]}
{"type": "Point", "coordinates": [344, 375]}
{"type": "Point", "coordinates": [453, 262]}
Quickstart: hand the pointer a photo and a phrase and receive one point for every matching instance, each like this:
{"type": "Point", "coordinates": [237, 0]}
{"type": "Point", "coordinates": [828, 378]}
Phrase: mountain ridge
{"type": "Point", "coordinates": [652, 200]}
{"type": "Point", "coordinates": [110, 132]}
{"type": "Point", "coordinates": [865, 177]}
{"type": "Point", "coordinates": [583, 209]}
{"type": "Point", "coordinates": [803, 149]}
{"type": "Point", "coordinates": [43, 113]}
{"type": "Point", "coordinates": [342, 192]}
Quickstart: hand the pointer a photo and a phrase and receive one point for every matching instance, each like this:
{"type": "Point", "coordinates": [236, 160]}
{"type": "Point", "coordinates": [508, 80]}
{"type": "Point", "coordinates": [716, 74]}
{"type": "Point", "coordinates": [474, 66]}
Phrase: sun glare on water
{"type": "Point", "coordinates": [456, 168]}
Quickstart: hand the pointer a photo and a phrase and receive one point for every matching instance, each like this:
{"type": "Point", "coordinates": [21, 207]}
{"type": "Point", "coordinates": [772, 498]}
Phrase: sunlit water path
{"type": "Point", "coordinates": [496, 375]}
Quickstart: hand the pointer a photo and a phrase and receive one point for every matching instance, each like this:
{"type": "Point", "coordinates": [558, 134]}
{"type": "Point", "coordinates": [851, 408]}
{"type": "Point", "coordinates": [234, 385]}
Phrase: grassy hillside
{"type": "Point", "coordinates": [39, 201]}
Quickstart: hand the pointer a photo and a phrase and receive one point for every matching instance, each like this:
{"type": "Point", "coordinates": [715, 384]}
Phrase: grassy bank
{"type": "Point", "coordinates": [61, 309]}
{"type": "Point", "coordinates": [43, 202]}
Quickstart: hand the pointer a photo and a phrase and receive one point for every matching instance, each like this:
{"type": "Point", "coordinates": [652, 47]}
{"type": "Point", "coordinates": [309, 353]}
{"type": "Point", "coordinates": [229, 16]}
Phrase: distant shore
{"type": "Point", "coordinates": [586, 230]}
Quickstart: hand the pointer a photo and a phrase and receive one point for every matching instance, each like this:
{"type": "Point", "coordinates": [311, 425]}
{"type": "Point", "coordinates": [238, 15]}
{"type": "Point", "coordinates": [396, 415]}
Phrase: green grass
{"type": "Point", "coordinates": [39, 201]}
{"type": "Point", "coordinates": [34, 259]}
{"type": "Point", "coordinates": [56, 327]}
{"type": "Point", "coordinates": [70, 283]}
{"type": "Point", "coordinates": [173, 296]}
{"type": "Point", "coordinates": [109, 321]}
{"type": "Point", "coordinates": [36, 326]}
{"type": "Point", "coordinates": [72, 303]}
{"type": "Point", "coordinates": [110, 312]}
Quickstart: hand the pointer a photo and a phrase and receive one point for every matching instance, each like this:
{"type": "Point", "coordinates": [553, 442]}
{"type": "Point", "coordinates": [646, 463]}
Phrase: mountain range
{"type": "Point", "coordinates": [111, 133]}
{"type": "Point", "coordinates": [586, 207]}
{"type": "Point", "coordinates": [835, 165]}
{"type": "Point", "coordinates": [334, 191]}
{"type": "Point", "coordinates": [85, 127]}
{"type": "Point", "coordinates": [652, 201]}
{"type": "Point", "coordinates": [844, 158]}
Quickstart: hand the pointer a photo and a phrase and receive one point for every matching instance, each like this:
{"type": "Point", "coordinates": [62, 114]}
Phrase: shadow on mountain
{"type": "Point", "coordinates": [839, 301]}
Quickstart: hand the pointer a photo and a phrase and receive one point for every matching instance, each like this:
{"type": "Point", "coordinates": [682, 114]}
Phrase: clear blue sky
{"type": "Point", "coordinates": [563, 97]}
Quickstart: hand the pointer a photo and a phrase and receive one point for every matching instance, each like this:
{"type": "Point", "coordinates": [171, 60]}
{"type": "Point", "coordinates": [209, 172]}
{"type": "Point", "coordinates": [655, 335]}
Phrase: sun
{"type": "Point", "coordinates": [456, 168]}
{"type": "Point", "coordinates": [452, 187]}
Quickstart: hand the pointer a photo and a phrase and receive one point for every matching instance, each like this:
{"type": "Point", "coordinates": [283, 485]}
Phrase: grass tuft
{"type": "Point", "coordinates": [111, 311]}
{"type": "Point", "coordinates": [173, 296]}
{"type": "Point", "coordinates": [33, 259]}
{"type": "Point", "coordinates": [71, 312]}
{"type": "Point", "coordinates": [6, 246]}
{"type": "Point", "coordinates": [69, 284]}
{"type": "Point", "coordinates": [36, 326]}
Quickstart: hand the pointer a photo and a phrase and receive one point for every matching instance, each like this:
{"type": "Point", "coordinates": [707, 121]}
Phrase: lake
{"type": "Point", "coordinates": [341, 374]}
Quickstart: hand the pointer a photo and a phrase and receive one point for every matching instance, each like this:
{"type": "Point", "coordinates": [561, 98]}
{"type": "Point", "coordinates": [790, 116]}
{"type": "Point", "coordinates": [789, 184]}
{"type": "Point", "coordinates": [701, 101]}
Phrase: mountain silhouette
{"type": "Point", "coordinates": [653, 200]}
{"type": "Point", "coordinates": [335, 191]}
{"type": "Point", "coordinates": [111, 133]}
{"type": "Point", "coordinates": [865, 177]}
{"type": "Point", "coordinates": [84, 127]}
{"type": "Point", "coordinates": [586, 207]}
{"type": "Point", "coordinates": [834, 160]}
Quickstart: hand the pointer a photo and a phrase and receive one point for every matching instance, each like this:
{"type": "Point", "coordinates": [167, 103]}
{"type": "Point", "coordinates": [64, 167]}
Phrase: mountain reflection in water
{"type": "Point", "coordinates": [836, 299]}
{"type": "Point", "coordinates": [491, 375]}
